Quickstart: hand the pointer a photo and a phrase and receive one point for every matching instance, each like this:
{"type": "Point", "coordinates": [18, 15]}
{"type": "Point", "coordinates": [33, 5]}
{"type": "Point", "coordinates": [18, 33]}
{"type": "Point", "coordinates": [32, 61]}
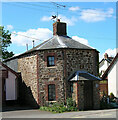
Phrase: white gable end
{"type": "Point", "coordinates": [112, 79]}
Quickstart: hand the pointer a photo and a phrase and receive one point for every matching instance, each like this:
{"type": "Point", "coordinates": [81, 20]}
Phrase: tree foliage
{"type": "Point", "coordinates": [5, 41]}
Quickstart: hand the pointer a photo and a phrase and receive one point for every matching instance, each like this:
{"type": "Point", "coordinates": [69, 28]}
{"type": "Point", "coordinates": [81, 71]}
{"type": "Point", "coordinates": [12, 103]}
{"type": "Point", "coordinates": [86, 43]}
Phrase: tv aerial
{"type": "Point", "coordinates": [58, 6]}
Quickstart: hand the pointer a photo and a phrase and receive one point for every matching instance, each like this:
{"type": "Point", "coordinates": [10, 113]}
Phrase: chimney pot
{"type": "Point", "coordinates": [58, 20]}
{"type": "Point", "coordinates": [59, 28]}
{"type": "Point", "coordinates": [106, 56]}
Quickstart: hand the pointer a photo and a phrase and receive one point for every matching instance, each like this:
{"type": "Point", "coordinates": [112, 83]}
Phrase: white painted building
{"type": "Point", "coordinates": [9, 83]}
{"type": "Point", "coordinates": [111, 74]}
{"type": "Point", "coordinates": [104, 64]}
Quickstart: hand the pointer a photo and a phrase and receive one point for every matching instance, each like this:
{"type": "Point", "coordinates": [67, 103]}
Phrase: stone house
{"type": "Point", "coordinates": [47, 70]}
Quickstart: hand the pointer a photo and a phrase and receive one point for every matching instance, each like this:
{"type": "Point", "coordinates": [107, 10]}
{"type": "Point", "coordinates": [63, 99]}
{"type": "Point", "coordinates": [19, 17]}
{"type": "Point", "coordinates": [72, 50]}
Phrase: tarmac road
{"type": "Point", "coordinates": [36, 113]}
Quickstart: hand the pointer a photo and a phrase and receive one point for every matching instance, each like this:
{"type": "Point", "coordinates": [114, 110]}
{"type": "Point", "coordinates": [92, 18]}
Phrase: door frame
{"type": "Point", "coordinates": [90, 87]}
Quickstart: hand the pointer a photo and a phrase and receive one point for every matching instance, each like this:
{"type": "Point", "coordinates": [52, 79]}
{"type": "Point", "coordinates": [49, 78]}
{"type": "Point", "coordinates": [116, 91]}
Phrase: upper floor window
{"type": "Point", "coordinates": [50, 61]}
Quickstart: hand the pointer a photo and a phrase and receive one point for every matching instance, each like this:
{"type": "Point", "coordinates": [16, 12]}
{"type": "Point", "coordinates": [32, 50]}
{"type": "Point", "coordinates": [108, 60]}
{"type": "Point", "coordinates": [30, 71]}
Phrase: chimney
{"type": "Point", "coordinates": [59, 28]}
{"type": "Point", "coordinates": [105, 56]}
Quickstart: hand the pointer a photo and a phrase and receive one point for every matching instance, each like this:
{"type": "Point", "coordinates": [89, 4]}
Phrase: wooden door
{"type": "Point", "coordinates": [88, 95]}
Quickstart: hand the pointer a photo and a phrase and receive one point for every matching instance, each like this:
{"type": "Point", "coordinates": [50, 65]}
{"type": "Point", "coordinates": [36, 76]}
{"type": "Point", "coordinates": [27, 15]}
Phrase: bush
{"type": "Point", "coordinates": [70, 102]}
{"type": "Point", "coordinates": [59, 108]}
{"type": "Point", "coordinates": [55, 107]}
{"type": "Point", "coordinates": [71, 105]}
{"type": "Point", "coordinates": [104, 104]}
{"type": "Point", "coordinates": [111, 96]}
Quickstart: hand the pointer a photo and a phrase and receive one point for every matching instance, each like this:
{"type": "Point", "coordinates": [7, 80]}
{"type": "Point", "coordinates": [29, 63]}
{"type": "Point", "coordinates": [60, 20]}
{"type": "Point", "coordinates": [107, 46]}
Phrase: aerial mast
{"type": "Point", "coordinates": [58, 6]}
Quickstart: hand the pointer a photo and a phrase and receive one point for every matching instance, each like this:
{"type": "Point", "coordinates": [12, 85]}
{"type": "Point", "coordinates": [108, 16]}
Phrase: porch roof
{"type": "Point", "coordinates": [82, 75]}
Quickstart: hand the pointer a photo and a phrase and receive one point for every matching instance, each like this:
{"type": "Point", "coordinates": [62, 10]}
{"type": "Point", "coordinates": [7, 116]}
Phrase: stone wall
{"type": "Point", "coordinates": [51, 75]}
{"type": "Point", "coordinates": [77, 59]}
{"type": "Point", "coordinates": [82, 60]}
{"type": "Point", "coordinates": [36, 76]}
{"type": "Point", "coordinates": [74, 94]}
{"type": "Point", "coordinates": [67, 61]}
{"type": "Point", "coordinates": [27, 65]}
{"type": "Point", "coordinates": [79, 95]}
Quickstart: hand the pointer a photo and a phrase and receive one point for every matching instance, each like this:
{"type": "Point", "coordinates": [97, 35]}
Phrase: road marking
{"type": "Point", "coordinates": [105, 114]}
{"type": "Point", "coordinates": [92, 115]}
{"type": "Point", "coordinates": [79, 117]}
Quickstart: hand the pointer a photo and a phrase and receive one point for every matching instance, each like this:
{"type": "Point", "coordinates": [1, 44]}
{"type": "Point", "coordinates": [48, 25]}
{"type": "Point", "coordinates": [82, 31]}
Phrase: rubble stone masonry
{"type": "Point", "coordinates": [37, 76]}
{"type": "Point", "coordinates": [27, 65]}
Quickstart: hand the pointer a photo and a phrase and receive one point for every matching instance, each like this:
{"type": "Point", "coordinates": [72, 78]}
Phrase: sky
{"type": "Point", "coordinates": [91, 23]}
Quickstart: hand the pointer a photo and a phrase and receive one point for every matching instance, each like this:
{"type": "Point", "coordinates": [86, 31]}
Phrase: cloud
{"type": "Point", "coordinates": [46, 18]}
{"type": "Point", "coordinates": [81, 40]}
{"type": "Point", "coordinates": [74, 8]}
{"type": "Point", "coordinates": [41, 34]}
{"type": "Point", "coordinates": [88, 15]}
{"type": "Point", "coordinates": [91, 15]}
{"type": "Point", "coordinates": [70, 21]}
{"type": "Point", "coordinates": [110, 52]}
{"type": "Point", "coordinates": [9, 27]}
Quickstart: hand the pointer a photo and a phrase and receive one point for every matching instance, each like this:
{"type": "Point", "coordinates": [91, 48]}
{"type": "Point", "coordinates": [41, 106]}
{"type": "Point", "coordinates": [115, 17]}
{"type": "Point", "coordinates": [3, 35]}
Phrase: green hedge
{"type": "Point", "coordinates": [59, 108]}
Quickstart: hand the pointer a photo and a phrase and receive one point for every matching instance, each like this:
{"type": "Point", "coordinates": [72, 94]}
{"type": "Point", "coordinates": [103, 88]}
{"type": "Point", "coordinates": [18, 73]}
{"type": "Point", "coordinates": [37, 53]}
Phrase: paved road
{"type": "Point", "coordinates": [111, 113]}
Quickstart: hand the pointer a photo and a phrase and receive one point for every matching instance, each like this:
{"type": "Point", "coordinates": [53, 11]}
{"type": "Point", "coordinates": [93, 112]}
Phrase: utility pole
{"type": "Point", "coordinates": [27, 47]}
{"type": "Point", "coordinates": [33, 43]}
{"type": "Point", "coordinates": [1, 29]}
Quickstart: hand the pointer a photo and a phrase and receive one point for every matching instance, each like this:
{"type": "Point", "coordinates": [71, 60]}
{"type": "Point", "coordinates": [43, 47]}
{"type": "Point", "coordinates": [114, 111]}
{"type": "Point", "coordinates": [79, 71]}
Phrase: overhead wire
{"type": "Point", "coordinates": [35, 9]}
{"type": "Point", "coordinates": [62, 9]}
{"type": "Point", "coordinates": [20, 5]}
{"type": "Point", "coordinates": [36, 5]}
{"type": "Point", "coordinates": [79, 36]}
{"type": "Point", "coordinates": [26, 36]}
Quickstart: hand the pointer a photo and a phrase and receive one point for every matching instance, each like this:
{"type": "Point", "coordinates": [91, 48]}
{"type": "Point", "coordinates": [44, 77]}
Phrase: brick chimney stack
{"type": "Point", "coordinates": [105, 56]}
{"type": "Point", "coordinates": [59, 28]}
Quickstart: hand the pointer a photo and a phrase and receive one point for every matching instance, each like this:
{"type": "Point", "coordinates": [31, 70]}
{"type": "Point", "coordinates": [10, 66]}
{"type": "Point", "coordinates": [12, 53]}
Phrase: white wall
{"type": "Point", "coordinates": [112, 80]}
{"type": "Point", "coordinates": [11, 89]}
{"type": "Point", "coordinates": [103, 66]}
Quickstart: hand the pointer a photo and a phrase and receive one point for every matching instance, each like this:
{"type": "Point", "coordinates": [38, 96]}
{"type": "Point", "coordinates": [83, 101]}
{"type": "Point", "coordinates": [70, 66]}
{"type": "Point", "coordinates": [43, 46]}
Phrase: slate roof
{"type": "Point", "coordinates": [82, 75]}
{"type": "Point", "coordinates": [60, 42]}
{"type": "Point", "coordinates": [110, 66]}
{"type": "Point", "coordinates": [109, 59]}
{"type": "Point", "coordinates": [7, 68]}
{"type": "Point", "coordinates": [57, 42]}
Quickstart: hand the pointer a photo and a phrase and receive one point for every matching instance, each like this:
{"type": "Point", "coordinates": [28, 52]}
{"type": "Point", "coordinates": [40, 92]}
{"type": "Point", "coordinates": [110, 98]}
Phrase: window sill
{"type": "Point", "coordinates": [51, 67]}
{"type": "Point", "coordinates": [51, 101]}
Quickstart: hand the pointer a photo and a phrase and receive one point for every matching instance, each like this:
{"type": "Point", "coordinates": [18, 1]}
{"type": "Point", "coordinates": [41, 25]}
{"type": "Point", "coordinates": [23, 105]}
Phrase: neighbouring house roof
{"type": "Point", "coordinates": [82, 75]}
{"type": "Point", "coordinates": [8, 69]}
{"type": "Point", "coordinates": [109, 59]}
{"type": "Point", "coordinates": [107, 70]}
{"type": "Point", "coordinates": [57, 42]}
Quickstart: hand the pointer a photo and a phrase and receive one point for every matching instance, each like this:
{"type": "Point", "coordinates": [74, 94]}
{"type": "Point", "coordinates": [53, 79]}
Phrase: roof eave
{"type": "Point", "coordinates": [25, 53]}
{"type": "Point", "coordinates": [107, 70]}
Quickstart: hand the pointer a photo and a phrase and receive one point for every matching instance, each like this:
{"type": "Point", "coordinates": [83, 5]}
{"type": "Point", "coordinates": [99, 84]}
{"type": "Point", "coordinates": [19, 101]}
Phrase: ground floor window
{"type": "Point", "coordinates": [51, 92]}
{"type": "Point", "coordinates": [71, 87]}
